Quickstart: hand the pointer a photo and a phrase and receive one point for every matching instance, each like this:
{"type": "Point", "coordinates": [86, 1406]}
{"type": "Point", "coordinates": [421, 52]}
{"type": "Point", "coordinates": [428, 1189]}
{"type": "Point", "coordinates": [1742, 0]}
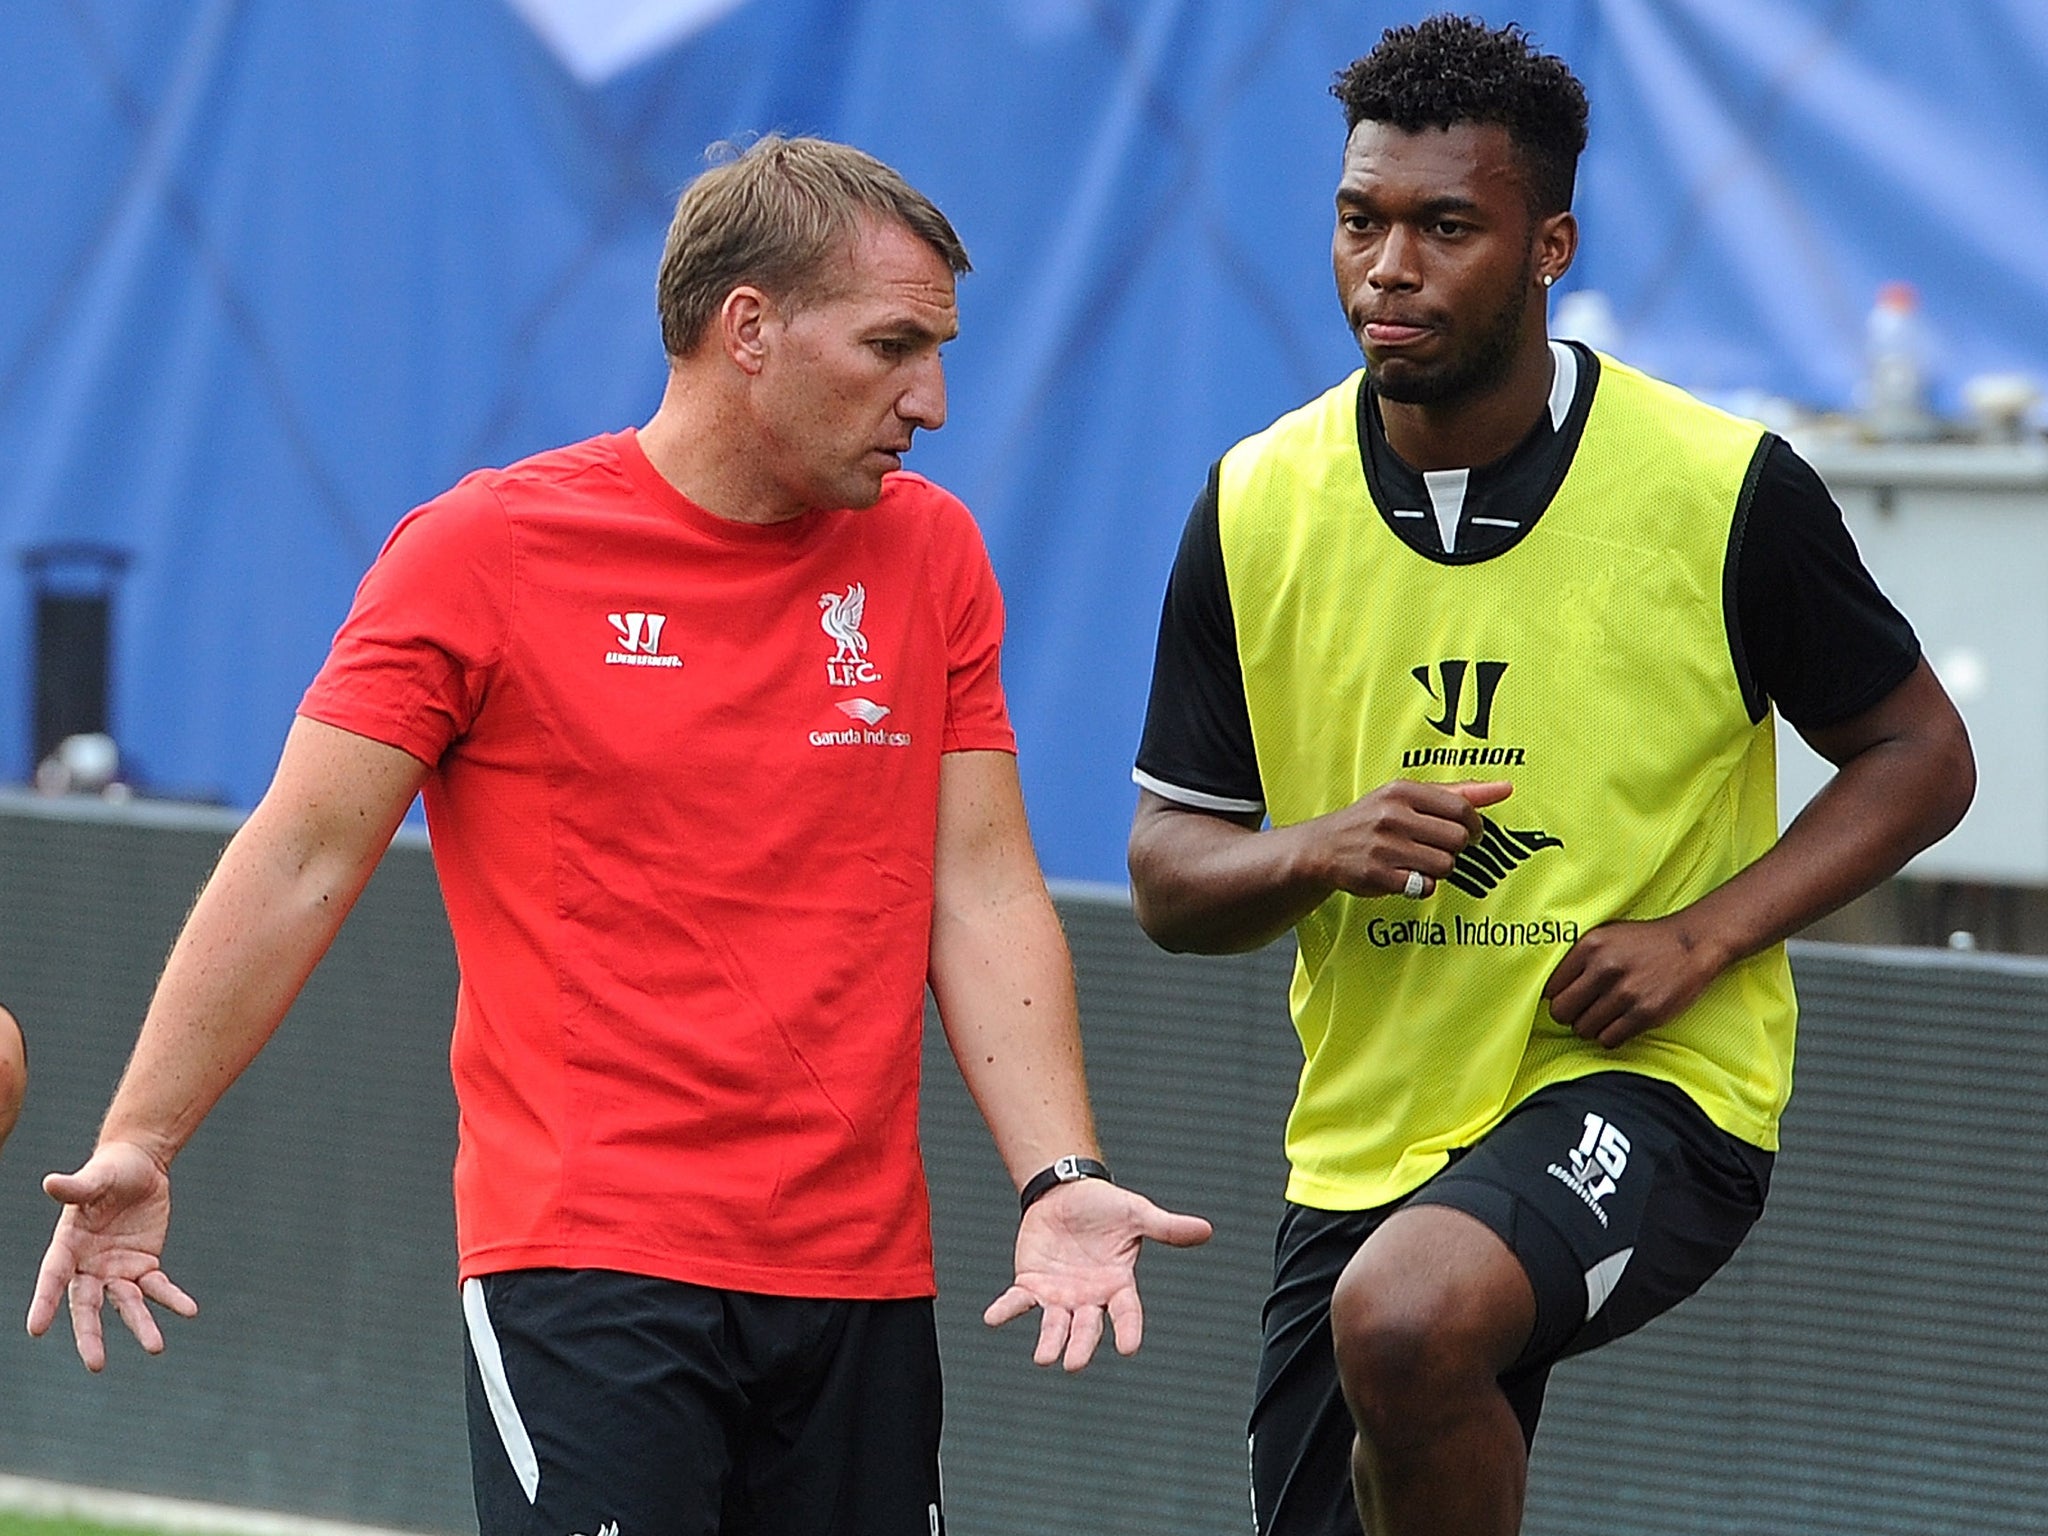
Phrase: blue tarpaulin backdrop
{"type": "Point", "coordinates": [277, 270]}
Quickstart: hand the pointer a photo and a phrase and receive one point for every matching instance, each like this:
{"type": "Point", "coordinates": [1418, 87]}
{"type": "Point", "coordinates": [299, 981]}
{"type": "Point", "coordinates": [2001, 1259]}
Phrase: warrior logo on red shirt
{"type": "Point", "coordinates": [839, 616]}
{"type": "Point", "coordinates": [639, 643]}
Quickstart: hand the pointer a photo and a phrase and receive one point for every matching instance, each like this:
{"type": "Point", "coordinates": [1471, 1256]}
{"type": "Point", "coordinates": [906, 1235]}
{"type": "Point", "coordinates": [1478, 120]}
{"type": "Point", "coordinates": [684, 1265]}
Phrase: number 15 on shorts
{"type": "Point", "coordinates": [1605, 1147]}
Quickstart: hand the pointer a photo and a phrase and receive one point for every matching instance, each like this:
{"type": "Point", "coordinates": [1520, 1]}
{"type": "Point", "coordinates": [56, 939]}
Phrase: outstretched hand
{"type": "Point", "coordinates": [1077, 1258]}
{"type": "Point", "coordinates": [108, 1247]}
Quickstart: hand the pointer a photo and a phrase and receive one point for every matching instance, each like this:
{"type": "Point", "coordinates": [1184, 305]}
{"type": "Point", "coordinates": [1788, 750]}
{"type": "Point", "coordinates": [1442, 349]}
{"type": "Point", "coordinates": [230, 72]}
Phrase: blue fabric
{"type": "Point", "coordinates": [278, 270]}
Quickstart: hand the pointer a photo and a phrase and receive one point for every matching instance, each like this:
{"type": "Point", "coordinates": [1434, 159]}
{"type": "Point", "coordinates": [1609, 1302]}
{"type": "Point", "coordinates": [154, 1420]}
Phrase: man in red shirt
{"type": "Point", "coordinates": [718, 774]}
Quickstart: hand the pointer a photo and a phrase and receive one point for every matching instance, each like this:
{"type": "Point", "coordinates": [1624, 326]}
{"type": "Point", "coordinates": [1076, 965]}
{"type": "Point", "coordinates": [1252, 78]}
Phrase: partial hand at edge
{"type": "Point", "coordinates": [1624, 978]}
{"type": "Point", "coordinates": [1077, 1257]}
{"type": "Point", "coordinates": [108, 1247]}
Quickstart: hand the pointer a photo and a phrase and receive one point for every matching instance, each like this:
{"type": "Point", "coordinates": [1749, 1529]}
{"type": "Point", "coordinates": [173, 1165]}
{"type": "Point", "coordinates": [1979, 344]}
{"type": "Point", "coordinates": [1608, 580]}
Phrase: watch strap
{"type": "Point", "coordinates": [1065, 1170]}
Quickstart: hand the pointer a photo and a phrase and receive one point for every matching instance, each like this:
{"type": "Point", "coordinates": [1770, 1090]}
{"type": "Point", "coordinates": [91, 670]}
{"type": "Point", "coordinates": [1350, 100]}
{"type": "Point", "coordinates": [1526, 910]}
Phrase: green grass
{"type": "Point", "coordinates": [61, 1525]}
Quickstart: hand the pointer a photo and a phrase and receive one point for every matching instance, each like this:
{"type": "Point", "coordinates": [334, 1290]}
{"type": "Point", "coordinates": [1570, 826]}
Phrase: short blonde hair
{"type": "Point", "coordinates": [773, 215]}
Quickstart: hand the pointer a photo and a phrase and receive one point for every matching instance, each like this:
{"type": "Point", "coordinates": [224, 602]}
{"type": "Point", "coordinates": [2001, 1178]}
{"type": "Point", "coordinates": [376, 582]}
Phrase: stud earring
{"type": "Point", "coordinates": [1548, 279]}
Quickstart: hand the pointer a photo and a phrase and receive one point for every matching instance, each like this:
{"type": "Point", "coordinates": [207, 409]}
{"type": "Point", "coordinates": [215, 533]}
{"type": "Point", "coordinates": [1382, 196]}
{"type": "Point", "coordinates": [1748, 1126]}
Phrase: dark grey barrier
{"type": "Point", "coordinates": [1873, 1362]}
{"type": "Point", "coordinates": [312, 1215]}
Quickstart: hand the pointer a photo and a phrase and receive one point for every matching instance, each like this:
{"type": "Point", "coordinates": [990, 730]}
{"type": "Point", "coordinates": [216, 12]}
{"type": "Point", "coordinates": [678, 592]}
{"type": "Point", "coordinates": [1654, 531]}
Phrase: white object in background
{"type": "Point", "coordinates": [1957, 536]}
{"type": "Point", "coordinates": [1963, 674]}
{"type": "Point", "coordinates": [1587, 315]}
{"type": "Point", "coordinates": [85, 764]}
{"type": "Point", "coordinates": [1999, 403]}
{"type": "Point", "coordinates": [1896, 356]}
{"type": "Point", "coordinates": [597, 39]}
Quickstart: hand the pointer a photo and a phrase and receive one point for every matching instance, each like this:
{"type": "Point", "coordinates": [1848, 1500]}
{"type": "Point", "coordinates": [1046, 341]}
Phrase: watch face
{"type": "Point", "coordinates": [1066, 1170]}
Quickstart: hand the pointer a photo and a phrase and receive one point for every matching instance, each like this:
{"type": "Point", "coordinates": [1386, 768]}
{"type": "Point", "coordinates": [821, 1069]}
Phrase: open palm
{"type": "Point", "coordinates": [1077, 1259]}
{"type": "Point", "coordinates": [108, 1248]}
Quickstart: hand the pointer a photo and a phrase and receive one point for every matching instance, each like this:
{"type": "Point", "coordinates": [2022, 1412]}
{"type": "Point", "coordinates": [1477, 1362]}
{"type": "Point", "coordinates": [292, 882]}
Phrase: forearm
{"type": "Point", "coordinates": [1004, 982]}
{"type": "Point", "coordinates": [1218, 889]}
{"type": "Point", "coordinates": [264, 919]}
{"type": "Point", "coordinates": [1857, 832]}
{"type": "Point", "coordinates": [1904, 778]}
{"type": "Point", "coordinates": [1221, 884]}
{"type": "Point", "coordinates": [257, 931]}
{"type": "Point", "coordinates": [1204, 884]}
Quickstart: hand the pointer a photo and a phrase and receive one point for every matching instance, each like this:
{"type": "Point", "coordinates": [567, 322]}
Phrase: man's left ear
{"type": "Point", "coordinates": [1557, 245]}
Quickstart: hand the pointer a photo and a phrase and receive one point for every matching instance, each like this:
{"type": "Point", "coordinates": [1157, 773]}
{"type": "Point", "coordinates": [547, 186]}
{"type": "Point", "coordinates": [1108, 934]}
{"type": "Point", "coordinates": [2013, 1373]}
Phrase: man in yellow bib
{"type": "Point", "coordinates": [1468, 674]}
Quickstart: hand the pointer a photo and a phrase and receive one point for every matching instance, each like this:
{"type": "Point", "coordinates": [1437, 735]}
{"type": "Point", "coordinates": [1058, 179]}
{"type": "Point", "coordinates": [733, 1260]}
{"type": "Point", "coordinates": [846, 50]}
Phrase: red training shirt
{"type": "Point", "coordinates": [683, 812]}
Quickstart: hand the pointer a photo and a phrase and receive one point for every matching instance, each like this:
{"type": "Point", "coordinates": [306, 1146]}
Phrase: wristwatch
{"type": "Point", "coordinates": [1065, 1171]}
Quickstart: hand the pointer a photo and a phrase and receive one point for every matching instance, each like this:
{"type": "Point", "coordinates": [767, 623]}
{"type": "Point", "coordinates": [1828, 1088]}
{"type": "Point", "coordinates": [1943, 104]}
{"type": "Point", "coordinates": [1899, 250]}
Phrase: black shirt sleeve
{"type": "Point", "coordinates": [1197, 746]}
{"type": "Point", "coordinates": [1814, 635]}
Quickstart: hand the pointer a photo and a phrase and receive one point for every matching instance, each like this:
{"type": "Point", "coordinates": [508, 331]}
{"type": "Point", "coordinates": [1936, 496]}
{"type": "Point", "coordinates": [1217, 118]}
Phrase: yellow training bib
{"type": "Point", "coordinates": [1589, 664]}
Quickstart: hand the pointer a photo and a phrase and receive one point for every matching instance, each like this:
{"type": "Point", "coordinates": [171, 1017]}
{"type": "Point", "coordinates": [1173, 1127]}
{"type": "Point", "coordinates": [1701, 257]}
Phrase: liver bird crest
{"type": "Point", "coordinates": [840, 618]}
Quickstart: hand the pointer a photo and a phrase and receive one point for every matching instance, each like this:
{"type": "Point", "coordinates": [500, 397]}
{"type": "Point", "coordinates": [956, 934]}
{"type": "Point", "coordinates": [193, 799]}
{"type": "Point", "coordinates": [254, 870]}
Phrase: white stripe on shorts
{"type": "Point", "coordinates": [490, 1363]}
{"type": "Point", "coordinates": [1603, 1277]}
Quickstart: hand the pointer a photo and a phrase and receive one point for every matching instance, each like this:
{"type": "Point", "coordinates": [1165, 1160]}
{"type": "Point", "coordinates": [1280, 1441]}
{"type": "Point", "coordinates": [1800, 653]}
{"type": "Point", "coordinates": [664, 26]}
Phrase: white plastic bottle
{"type": "Point", "coordinates": [1896, 358]}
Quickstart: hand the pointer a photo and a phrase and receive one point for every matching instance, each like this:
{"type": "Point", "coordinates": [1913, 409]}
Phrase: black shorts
{"type": "Point", "coordinates": [609, 1404]}
{"type": "Point", "coordinates": [1617, 1194]}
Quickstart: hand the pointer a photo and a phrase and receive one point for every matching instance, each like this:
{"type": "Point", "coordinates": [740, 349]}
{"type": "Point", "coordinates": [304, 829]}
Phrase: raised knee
{"type": "Point", "coordinates": [1384, 1346]}
{"type": "Point", "coordinates": [1407, 1353]}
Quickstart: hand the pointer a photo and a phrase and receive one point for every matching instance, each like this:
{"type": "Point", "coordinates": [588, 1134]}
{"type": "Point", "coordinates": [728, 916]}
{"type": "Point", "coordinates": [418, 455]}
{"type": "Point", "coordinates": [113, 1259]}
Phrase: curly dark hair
{"type": "Point", "coordinates": [1456, 69]}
